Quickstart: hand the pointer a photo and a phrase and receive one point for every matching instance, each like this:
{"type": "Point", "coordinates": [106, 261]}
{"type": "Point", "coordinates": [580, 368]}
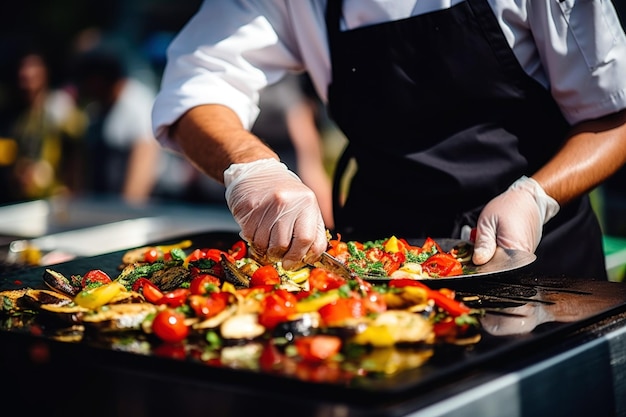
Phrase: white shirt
{"type": "Point", "coordinates": [230, 50]}
{"type": "Point", "coordinates": [129, 119]}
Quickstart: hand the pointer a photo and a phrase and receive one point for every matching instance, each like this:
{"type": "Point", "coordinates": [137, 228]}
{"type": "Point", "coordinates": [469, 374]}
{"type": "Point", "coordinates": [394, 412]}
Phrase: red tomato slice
{"type": "Point", "coordinates": [429, 243]}
{"type": "Point", "coordinates": [317, 348]}
{"type": "Point", "coordinates": [276, 307]}
{"type": "Point", "coordinates": [442, 265]}
{"type": "Point", "coordinates": [265, 275]}
{"type": "Point", "coordinates": [169, 326]}
{"type": "Point", "coordinates": [95, 276]}
{"type": "Point", "coordinates": [196, 255]}
{"type": "Point", "coordinates": [204, 283]}
{"type": "Point", "coordinates": [239, 250]}
{"type": "Point", "coordinates": [323, 280]}
{"type": "Point", "coordinates": [392, 261]}
{"type": "Point", "coordinates": [174, 298]}
{"type": "Point", "coordinates": [150, 291]}
{"type": "Point", "coordinates": [342, 310]}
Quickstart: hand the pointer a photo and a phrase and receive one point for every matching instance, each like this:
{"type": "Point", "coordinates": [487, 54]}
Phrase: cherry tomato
{"type": "Point", "coordinates": [150, 291]}
{"type": "Point", "coordinates": [169, 326]}
{"type": "Point", "coordinates": [204, 283]}
{"type": "Point", "coordinates": [239, 250]}
{"type": "Point", "coordinates": [95, 276]}
{"type": "Point", "coordinates": [342, 310]}
{"type": "Point", "coordinates": [276, 307]}
{"type": "Point", "coordinates": [317, 348]}
{"type": "Point", "coordinates": [265, 275]}
{"type": "Point", "coordinates": [205, 306]}
{"type": "Point", "coordinates": [442, 265]}
{"type": "Point", "coordinates": [174, 298]}
{"type": "Point", "coordinates": [152, 255]}
{"type": "Point", "coordinates": [324, 280]}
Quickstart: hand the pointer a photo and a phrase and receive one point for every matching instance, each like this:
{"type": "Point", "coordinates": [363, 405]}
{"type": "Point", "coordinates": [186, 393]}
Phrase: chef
{"type": "Point", "coordinates": [497, 116]}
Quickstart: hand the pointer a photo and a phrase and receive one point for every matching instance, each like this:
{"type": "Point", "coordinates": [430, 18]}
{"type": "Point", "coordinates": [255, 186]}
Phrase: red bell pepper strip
{"type": "Point", "coordinates": [453, 307]}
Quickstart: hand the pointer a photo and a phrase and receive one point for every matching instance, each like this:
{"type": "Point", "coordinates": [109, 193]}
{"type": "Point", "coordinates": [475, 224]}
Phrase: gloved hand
{"type": "Point", "coordinates": [513, 220]}
{"type": "Point", "coordinates": [279, 216]}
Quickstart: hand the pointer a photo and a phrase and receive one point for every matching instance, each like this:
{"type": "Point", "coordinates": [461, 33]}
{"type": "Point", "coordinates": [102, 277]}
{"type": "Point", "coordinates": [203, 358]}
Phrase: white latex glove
{"type": "Point", "coordinates": [279, 215]}
{"type": "Point", "coordinates": [513, 220]}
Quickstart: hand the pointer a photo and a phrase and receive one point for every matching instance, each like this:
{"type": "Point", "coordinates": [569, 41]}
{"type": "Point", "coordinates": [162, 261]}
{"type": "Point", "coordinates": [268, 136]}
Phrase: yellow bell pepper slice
{"type": "Point", "coordinates": [391, 245]}
{"type": "Point", "coordinates": [313, 304]}
{"type": "Point", "coordinates": [375, 335]}
{"type": "Point", "coordinates": [97, 297]}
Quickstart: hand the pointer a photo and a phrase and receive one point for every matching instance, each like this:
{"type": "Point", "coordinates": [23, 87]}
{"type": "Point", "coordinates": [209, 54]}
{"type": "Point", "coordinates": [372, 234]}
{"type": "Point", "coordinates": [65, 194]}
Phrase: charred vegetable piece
{"type": "Point", "coordinates": [116, 317]}
{"type": "Point", "coordinates": [168, 279]}
{"type": "Point", "coordinates": [36, 298]}
{"type": "Point", "coordinates": [133, 272]}
{"type": "Point", "coordinates": [9, 299]}
{"type": "Point", "coordinates": [233, 275]}
{"type": "Point", "coordinates": [58, 282]}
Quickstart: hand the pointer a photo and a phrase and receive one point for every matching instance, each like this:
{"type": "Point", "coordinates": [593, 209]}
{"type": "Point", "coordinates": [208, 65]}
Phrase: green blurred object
{"type": "Point", "coordinates": [615, 252]}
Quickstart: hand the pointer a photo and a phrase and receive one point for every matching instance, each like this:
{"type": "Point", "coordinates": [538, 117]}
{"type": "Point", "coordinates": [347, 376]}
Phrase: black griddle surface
{"type": "Point", "coordinates": [525, 315]}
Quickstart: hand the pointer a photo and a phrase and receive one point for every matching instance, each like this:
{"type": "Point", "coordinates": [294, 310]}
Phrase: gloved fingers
{"type": "Point", "coordinates": [308, 245]}
{"type": "Point", "coordinates": [278, 214]}
{"type": "Point", "coordinates": [485, 244]}
{"type": "Point", "coordinates": [511, 220]}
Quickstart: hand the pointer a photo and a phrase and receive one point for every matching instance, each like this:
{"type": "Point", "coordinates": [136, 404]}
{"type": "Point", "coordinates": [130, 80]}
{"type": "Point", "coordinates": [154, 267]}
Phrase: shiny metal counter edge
{"type": "Point", "coordinates": [588, 379]}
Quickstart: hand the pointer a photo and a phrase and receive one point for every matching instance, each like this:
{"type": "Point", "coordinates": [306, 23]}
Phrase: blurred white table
{"type": "Point", "coordinates": [93, 226]}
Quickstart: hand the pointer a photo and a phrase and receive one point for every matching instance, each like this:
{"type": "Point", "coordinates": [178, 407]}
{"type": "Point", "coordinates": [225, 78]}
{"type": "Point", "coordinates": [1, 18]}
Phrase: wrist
{"type": "Point", "coordinates": [548, 206]}
{"type": "Point", "coordinates": [267, 166]}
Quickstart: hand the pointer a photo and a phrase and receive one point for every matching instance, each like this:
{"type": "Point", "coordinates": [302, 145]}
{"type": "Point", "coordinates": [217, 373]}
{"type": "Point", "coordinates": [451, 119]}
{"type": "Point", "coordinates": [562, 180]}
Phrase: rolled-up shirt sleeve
{"type": "Point", "coordinates": [583, 50]}
{"type": "Point", "coordinates": [225, 54]}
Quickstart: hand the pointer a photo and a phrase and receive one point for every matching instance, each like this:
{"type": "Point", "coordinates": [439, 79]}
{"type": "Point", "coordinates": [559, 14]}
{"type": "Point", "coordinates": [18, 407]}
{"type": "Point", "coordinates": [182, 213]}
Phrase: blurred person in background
{"type": "Point", "coordinates": [122, 157]}
{"type": "Point", "coordinates": [43, 129]}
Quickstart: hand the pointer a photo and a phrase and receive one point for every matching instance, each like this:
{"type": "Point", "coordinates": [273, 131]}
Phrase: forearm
{"type": "Point", "coordinates": [213, 138]}
{"type": "Point", "coordinates": [594, 151]}
{"type": "Point", "coordinates": [141, 171]}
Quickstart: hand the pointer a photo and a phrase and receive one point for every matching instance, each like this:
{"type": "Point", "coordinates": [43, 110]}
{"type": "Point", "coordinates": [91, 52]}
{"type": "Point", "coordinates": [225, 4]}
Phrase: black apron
{"type": "Point", "coordinates": [441, 118]}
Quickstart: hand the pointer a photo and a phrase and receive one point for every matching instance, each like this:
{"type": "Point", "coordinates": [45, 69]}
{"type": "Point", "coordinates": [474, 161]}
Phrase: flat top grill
{"type": "Point", "coordinates": [523, 313]}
